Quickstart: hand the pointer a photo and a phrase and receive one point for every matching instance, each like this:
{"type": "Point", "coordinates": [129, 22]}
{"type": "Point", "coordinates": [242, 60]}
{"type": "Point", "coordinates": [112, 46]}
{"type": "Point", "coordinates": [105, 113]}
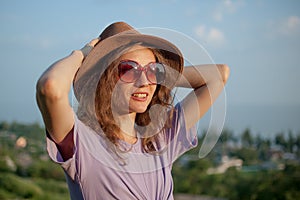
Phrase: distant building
{"type": "Point", "coordinates": [21, 142]}
{"type": "Point", "coordinates": [225, 164]}
{"type": "Point", "coordinates": [10, 163]}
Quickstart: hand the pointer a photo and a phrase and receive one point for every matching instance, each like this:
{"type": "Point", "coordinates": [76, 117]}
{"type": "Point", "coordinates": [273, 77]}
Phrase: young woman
{"type": "Point", "coordinates": [126, 134]}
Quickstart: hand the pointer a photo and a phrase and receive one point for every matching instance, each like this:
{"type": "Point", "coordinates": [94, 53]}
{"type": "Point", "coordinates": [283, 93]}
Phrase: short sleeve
{"type": "Point", "coordinates": [69, 165]}
{"type": "Point", "coordinates": [179, 138]}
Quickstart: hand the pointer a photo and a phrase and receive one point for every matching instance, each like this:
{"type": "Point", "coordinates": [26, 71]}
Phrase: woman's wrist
{"type": "Point", "coordinates": [86, 50]}
{"type": "Point", "coordinates": [78, 53]}
{"type": "Point", "coordinates": [88, 47]}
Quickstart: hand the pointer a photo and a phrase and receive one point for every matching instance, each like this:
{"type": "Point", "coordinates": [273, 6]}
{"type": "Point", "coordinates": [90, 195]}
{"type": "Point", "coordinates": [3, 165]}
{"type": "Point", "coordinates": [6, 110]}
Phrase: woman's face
{"type": "Point", "coordinates": [135, 97]}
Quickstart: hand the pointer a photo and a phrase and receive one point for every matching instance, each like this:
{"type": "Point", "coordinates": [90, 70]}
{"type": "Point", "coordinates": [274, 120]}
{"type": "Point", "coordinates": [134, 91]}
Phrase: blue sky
{"type": "Point", "coordinates": [259, 40]}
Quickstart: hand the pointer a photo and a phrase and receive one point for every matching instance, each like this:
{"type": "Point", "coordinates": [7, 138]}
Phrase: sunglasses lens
{"type": "Point", "coordinates": [156, 73]}
{"type": "Point", "coordinates": [128, 72]}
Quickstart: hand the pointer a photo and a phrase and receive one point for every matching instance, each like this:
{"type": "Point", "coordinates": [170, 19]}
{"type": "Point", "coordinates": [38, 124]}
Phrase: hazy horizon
{"type": "Point", "coordinates": [266, 120]}
{"type": "Point", "coordinates": [259, 40]}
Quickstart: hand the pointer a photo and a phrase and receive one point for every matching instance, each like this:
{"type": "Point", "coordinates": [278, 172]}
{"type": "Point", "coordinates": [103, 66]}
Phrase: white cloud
{"type": "Point", "coordinates": [218, 15]}
{"type": "Point", "coordinates": [289, 26]}
{"type": "Point", "coordinates": [200, 31]}
{"type": "Point", "coordinates": [212, 36]}
{"type": "Point", "coordinates": [215, 35]}
{"type": "Point", "coordinates": [226, 7]}
{"type": "Point", "coordinates": [230, 6]}
{"type": "Point", "coordinates": [293, 23]}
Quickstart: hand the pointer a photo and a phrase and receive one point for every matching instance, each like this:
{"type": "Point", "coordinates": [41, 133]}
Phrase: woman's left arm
{"type": "Point", "coordinates": [208, 82]}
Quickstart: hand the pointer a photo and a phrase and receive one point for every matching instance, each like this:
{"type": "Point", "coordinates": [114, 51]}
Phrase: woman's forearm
{"type": "Point", "coordinates": [57, 79]}
{"type": "Point", "coordinates": [52, 92]}
{"type": "Point", "coordinates": [207, 82]}
{"type": "Point", "coordinates": [200, 75]}
{"type": "Point", "coordinates": [52, 95]}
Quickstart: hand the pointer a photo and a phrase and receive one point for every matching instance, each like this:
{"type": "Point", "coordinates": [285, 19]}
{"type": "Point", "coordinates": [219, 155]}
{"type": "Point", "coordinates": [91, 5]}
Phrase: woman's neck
{"type": "Point", "coordinates": [127, 130]}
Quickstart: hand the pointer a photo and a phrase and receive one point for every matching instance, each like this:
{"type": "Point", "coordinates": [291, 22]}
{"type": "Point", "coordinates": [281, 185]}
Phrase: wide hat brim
{"type": "Point", "coordinates": [92, 66]}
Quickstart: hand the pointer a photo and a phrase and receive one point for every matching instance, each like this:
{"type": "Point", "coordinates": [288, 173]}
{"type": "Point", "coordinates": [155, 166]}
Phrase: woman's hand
{"type": "Point", "coordinates": [89, 46]}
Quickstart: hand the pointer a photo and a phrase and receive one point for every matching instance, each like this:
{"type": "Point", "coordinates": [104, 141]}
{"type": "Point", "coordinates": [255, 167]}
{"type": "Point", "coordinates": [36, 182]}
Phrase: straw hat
{"type": "Point", "coordinates": [113, 37]}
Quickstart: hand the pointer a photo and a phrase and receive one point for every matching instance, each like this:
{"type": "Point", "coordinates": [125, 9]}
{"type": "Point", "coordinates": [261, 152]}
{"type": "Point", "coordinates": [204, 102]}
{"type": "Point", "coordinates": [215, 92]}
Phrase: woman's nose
{"type": "Point", "coordinates": [142, 80]}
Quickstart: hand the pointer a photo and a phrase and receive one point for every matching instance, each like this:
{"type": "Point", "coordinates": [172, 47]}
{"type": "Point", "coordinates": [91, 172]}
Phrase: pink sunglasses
{"type": "Point", "coordinates": [130, 71]}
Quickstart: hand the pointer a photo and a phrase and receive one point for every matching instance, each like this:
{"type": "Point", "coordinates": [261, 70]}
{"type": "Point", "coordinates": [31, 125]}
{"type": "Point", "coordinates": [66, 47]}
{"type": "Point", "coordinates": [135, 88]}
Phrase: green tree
{"type": "Point", "coordinates": [263, 147]}
{"type": "Point", "coordinates": [291, 142]}
{"type": "Point", "coordinates": [281, 141]}
{"type": "Point", "coordinates": [247, 140]}
{"type": "Point", "coordinates": [4, 126]}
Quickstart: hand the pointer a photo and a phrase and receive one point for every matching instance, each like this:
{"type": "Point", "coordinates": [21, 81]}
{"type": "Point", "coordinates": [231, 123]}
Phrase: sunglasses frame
{"type": "Point", "coordinates": [137, 67]}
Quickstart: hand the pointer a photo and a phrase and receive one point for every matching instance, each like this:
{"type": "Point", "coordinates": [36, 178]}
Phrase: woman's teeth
{"type": "Point", "coordinates": [139, 95]}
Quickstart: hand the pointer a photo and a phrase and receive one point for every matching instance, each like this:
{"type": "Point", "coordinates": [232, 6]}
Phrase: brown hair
{"type": "Point", "coordinates": [98, 113]}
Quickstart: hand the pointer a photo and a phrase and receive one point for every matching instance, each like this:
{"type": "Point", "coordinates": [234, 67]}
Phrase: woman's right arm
{"type": "Point", "coordinates": [52, 92]}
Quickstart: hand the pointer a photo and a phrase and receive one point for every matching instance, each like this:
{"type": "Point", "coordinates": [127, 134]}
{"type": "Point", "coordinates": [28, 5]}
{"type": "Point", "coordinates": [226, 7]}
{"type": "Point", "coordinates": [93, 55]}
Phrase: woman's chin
{"type": "Point", "coordinates": [138, 109]}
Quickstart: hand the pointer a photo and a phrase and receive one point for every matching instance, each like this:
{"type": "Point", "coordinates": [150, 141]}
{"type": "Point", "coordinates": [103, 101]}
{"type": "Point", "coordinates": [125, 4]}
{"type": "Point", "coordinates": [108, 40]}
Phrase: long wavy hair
{"type": "Point", "coordinates": [96, 111]}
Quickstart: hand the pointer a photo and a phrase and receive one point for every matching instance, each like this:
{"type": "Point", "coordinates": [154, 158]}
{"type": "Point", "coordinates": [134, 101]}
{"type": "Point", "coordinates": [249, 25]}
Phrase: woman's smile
{"type": "Point", "coordinates": [140, 96]}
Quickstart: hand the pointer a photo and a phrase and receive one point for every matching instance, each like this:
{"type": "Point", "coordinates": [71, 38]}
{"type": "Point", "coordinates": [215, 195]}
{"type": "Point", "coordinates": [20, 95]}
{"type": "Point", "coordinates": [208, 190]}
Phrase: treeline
{"type": "Point", "coordinates": [235, 184]}
{"type": "Point", "coordinates": [25, 169]}
{"type": "Point", "coordinates": [270, 168]}
{"type": "Point", "coordinates": [253, 149]}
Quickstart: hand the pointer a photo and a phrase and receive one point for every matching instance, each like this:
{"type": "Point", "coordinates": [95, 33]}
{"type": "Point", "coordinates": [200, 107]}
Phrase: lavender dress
{"type": "Point", "coordinates": [95, 172]}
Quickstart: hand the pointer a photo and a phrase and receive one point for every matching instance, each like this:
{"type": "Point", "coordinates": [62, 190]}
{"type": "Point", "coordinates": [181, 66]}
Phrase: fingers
{"type": "Point", "coordinates": [93, 42]}
{"type": "Point", "coordinates": [88, 47]}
